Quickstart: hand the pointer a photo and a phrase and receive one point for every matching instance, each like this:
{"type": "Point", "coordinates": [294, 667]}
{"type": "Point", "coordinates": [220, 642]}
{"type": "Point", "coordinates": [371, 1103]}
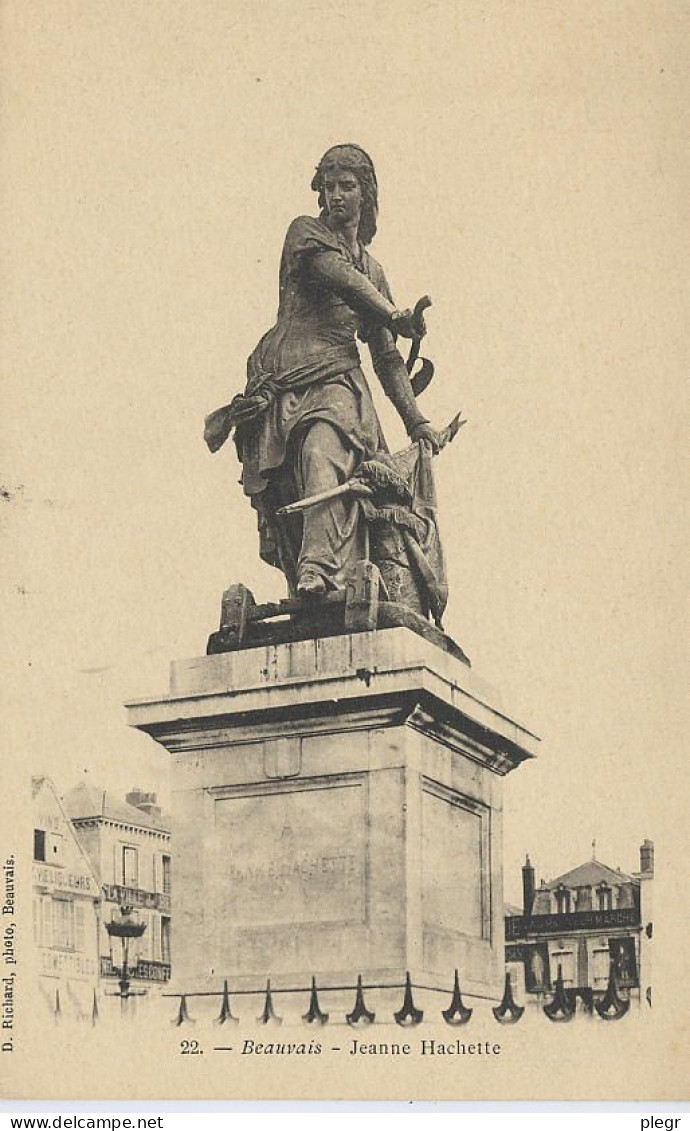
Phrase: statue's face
{"type": "Point", "coordinates": [343, 195]}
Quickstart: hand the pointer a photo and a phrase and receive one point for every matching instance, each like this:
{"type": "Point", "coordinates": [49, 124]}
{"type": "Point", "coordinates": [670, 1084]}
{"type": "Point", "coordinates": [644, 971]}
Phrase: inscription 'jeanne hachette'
{"type": "Point", "coordinates": [356, 1047]}
{"type": "Point", "coordinates": [306, 866]}
{"type": "Point", "coordinates": [293, 855]}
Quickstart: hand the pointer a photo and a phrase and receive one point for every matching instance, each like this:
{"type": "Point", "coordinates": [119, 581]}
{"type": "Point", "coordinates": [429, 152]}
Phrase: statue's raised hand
{"type": "Point", "coordinates": [409, 323]}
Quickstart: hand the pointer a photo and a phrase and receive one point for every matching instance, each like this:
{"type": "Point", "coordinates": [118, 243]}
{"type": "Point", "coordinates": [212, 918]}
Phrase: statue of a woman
{"type": "Point", "coordinates": [306, 419]}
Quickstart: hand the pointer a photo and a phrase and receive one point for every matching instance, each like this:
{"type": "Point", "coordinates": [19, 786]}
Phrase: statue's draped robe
{"type": "Point", "coordinates": [306, 419]}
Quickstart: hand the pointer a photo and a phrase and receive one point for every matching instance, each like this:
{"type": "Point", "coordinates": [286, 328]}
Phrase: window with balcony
{"type": "Point", "coordinates": [167, 875]}
{"type": "Point", "coordinates": [130, 867]}
{"type": "Point", "coordinates": [145, 946]}
{"type": "Point", "coordinates": [165, 938]}
{"type": "Point", "coordinates": [63, 924]}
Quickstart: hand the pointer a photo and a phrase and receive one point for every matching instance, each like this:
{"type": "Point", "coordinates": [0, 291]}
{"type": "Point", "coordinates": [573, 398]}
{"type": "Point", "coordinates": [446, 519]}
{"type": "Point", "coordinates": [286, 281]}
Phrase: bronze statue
{"type": "Point", "coordinates": [306, 424]}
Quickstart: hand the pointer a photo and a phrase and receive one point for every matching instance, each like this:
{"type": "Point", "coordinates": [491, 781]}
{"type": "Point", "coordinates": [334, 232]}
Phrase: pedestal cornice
{"type": "Point", "coordinates": [378, 679]}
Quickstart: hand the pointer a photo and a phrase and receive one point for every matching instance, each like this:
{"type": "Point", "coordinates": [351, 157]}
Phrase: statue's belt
{"type": "Point", "coordinates": [263, 388]}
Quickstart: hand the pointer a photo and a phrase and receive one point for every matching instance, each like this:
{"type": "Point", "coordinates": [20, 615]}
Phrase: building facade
{"type": "Point", "coordinates": [128, 844]}
{"type": "Point", "coordinates": [66, 908]}
{"type": "Point", "coordinates": [583, 923]}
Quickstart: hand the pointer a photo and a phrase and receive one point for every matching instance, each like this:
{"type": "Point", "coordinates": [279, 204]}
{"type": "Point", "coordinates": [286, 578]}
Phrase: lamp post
{"type": "Point", "coordinates": [124, 929]}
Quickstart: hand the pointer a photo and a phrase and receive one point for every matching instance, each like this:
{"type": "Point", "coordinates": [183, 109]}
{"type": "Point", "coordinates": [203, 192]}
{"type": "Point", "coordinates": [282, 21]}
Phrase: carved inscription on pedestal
{"type": "Point", "coordinates": [292, 854]}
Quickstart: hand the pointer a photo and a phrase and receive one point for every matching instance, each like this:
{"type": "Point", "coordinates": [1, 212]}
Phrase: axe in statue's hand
{"type": "Point", "coordinates": [423, 377]}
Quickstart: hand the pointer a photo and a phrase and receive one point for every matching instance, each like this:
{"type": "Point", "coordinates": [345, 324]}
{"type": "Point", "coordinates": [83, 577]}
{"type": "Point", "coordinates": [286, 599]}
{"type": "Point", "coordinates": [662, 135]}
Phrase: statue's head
{"type": "Point", "coordinates": [355, 160]}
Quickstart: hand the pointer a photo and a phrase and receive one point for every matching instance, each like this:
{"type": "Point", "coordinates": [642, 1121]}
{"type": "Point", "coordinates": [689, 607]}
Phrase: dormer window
{"type": "Point", "coordinates": [604, 897]}
{"type": "Point", "coordinates": [563, 900]}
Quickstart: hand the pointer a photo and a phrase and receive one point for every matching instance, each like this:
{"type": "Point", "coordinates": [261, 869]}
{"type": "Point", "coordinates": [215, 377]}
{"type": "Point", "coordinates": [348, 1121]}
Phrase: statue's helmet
{"type": "Point", "coordinates": [354, 158]}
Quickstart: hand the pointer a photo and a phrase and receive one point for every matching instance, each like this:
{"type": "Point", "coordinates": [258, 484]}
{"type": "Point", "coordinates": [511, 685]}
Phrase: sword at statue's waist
{"type": "Point", "coordinates": [352, 487]}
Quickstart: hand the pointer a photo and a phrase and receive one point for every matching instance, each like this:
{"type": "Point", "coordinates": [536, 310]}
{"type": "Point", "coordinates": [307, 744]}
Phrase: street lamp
{"type": "Point", "coordinates": [124, 929]}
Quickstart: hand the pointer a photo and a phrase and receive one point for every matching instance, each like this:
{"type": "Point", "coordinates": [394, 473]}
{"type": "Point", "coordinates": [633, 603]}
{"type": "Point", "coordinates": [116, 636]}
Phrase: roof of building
{"type": "Point", "coordinates": [37, 782]}
{"type": "Point", "coordinates": [42, 782]}
{"type": "Point", "coordinates": [86, 801]}
{"type": "Point", "coordinates": [590, 874]}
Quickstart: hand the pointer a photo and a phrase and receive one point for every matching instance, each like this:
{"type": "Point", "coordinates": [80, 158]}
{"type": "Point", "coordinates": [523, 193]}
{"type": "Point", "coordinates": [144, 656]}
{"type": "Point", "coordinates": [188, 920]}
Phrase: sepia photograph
{"type": "Point", "coordinates": [342, 509]}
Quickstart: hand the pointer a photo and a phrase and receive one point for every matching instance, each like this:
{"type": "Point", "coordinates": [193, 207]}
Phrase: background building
{"type": "Point", "coordinates": [66, 902]}
{"type": "Point", "coordinates": [128, 844]}
{"type": "Point", "coordinates": [582, 922]}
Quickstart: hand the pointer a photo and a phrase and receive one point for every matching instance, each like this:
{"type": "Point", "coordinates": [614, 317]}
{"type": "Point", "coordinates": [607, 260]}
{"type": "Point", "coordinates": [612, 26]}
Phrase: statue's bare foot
{"type": "Point", "coordinates": [311, 584]}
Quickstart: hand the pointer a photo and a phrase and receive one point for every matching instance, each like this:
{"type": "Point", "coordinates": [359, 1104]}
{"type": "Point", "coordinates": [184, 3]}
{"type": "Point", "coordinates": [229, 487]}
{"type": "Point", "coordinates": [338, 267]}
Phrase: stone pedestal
{"type": "Point", "coordinates": [337, 810]}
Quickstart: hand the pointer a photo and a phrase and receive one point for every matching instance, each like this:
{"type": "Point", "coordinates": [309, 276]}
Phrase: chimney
{"type": "Point", "coordinates": [647, 857]}
{"type": "Point", "coordinates": [144, 801]}
{"type": "Point", "coordinates": [527, 887]}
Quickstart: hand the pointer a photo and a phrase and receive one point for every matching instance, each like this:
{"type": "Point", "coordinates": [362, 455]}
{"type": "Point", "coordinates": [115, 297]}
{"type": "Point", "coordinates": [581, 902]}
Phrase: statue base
{"type": "Point", "coordinates": [362, 607]}
{"type": "Point", "coordinates": [337, 809]}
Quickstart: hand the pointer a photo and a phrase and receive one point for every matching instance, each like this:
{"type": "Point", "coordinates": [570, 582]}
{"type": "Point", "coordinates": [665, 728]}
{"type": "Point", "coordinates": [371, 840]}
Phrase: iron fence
{"type": "Point", "coordinates": [610, 1005]}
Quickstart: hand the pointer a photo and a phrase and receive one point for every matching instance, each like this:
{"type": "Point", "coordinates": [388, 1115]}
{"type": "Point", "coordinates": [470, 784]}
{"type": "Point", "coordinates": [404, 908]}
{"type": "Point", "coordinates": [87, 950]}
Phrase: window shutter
{"type": "Point", "coordinates": [39, 844]}
{"type": "Point", "coordinates": [47, 924]}
{"type": "Point", "coordinates": [79, 926]}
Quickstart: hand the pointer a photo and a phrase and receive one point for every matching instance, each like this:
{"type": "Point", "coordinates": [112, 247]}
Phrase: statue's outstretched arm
{"type": "Point", "coordinates": [395, 380]}
{"type": "Point", "coordinates": [332, 271]}
{"type": "Point", "coordinates": [329, 269]}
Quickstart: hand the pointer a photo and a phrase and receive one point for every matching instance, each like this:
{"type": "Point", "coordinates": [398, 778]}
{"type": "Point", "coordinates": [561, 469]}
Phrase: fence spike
{"type": "Point", "coordinates": [457, 1013]}
{"type": "Point", "coordinates": [508, 1012]}
{"type": "Point", "coordinates": [612, 1006]}
{"type": "Point", "coordinates": [587, 999]}
{"type": "Point", "coordinates": [182, 1014]}
{"type": "Point", "coordinates": [314, 1014]}
{"type": "Point", "coordinates": [408, 1015]}
{"type": "Point", "coordinates": [562, 1008]}
{"type": "Point", "coordinates": [226, 1013]}
{"type": "Point", "coordinates": [269, 1013]}
{"type": "Point", "coordinates": [360, 1013]}
{"type": "Point", "coordinates": [94, 1009]}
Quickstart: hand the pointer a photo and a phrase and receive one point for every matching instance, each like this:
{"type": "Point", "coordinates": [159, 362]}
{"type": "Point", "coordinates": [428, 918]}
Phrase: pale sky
{"type": "Point", "coordinates": [155, 156]}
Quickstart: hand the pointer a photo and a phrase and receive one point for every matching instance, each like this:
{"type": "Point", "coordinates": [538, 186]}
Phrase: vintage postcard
{"type": "Point", "coordinates": [342, 351]}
